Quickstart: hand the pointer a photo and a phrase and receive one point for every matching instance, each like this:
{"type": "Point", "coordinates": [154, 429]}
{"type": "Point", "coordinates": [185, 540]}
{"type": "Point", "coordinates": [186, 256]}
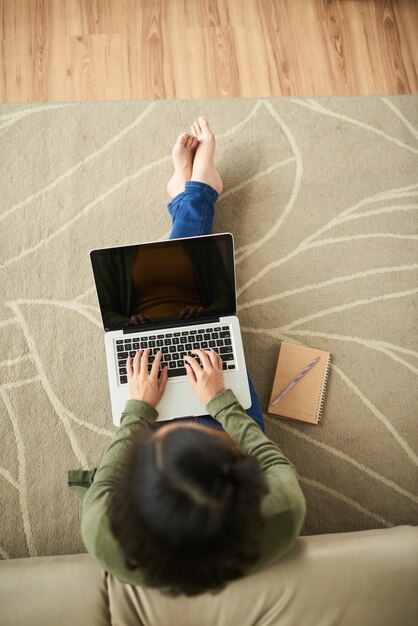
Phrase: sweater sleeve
{"type": "Point", "coordinates": [95, 529]}
{"type": "Point", "coordinates": [284, 507]}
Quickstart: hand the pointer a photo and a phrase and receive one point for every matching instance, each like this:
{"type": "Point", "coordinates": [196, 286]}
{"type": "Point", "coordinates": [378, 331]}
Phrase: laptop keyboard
{"type": "Point", "coordinates": [174, 346]}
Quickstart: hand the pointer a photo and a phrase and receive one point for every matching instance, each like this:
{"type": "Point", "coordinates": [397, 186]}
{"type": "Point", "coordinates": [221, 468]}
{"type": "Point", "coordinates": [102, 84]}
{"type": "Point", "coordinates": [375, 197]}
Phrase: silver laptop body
{"type": "Point", "coordinates": [146, 292]}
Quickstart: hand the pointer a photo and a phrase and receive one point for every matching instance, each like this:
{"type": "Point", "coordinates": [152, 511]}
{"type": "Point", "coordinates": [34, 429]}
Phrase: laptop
{"type": "Point", "coordinates": [174, 296]}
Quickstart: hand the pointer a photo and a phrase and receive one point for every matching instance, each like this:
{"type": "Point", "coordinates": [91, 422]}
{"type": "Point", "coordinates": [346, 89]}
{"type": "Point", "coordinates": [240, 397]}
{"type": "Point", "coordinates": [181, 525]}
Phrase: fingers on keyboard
{"type": "Point", "coordinates": [174, 346]}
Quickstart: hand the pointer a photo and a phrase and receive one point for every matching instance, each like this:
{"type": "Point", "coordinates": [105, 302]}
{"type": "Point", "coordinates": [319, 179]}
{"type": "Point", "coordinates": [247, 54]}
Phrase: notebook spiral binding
{"type": "Point", "coordinates": [322, 396]}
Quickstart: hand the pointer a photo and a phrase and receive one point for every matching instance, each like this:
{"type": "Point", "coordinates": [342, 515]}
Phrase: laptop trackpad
{"type": "Point", "coordinates": [179, 401]}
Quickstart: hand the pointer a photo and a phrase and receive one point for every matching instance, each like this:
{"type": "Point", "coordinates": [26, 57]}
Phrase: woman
{"type": "Point", "coordinates": [190, 504]}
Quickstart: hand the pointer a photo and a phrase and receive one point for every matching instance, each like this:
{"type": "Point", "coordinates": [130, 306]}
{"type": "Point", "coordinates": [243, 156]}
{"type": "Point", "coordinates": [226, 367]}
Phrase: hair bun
{"type": "Point", "coordinates": [225, 469]}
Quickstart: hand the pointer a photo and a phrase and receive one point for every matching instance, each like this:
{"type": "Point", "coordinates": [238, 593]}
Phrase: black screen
{"type": "Point", "coordinates": [167, 281]}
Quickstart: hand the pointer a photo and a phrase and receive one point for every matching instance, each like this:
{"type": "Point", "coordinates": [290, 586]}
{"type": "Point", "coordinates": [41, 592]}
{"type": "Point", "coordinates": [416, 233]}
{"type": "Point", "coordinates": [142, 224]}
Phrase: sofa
{"type": "Point", "coordinates": [366, 578]}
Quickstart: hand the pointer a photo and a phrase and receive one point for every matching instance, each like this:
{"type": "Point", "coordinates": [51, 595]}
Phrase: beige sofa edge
{"type": "Point", "coordinates": [367, 578]}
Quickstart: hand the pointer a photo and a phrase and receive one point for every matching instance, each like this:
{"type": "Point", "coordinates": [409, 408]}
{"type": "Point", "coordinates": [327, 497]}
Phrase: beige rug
{"type": "Point", "coordinates": [322, 197]}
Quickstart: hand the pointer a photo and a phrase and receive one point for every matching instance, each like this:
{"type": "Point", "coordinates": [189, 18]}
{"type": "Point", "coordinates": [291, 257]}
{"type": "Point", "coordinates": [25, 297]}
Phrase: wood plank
{"type": "Point", "coordinates": [57, 50]}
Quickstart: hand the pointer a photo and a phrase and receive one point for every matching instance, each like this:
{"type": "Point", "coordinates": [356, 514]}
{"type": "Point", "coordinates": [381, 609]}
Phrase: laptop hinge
{"type": "Point", "coordinates": [175, 324]}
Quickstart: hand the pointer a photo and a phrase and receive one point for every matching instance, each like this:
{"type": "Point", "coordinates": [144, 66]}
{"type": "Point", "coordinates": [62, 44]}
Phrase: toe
{"type": "Point", "coordinates": [182, 139]}
{"type": "Point", "coordinates": [206, 131]}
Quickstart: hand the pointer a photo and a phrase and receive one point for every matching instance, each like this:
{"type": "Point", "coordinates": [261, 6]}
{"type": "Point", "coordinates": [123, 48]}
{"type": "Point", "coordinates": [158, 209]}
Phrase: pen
{"type": "Point", "coordinates": [296, 380]}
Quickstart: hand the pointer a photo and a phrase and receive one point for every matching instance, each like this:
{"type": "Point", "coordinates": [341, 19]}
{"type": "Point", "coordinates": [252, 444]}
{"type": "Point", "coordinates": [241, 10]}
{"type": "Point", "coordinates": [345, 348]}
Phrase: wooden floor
{"type": "Point", "coordinates": [72, 50]}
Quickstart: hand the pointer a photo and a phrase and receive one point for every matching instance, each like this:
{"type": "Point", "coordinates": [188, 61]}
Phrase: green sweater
{"type": "Point", "coordinates": [283, 507]}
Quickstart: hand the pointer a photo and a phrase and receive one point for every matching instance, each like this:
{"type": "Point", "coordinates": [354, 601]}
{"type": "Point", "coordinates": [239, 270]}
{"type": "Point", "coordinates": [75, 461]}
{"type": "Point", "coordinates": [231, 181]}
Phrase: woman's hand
{"type": "Point", "coordinates": [144, 386]}
{"type": "Point", "coordinates": [138, 318]}
{"type": "Point", "coordinates": [206, 380]}
{"type": "Point", "coordinates": [192, 311]}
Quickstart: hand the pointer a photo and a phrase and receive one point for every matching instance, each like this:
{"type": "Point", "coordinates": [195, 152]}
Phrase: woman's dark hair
{"type": "Point", "coordinates": [187, 511]}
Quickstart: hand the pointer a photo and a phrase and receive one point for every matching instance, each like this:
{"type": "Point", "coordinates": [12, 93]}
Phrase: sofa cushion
{"type": "Point", "coordinates": [367, 577]}
{"type": "Point", "coordinates": [53, 591]}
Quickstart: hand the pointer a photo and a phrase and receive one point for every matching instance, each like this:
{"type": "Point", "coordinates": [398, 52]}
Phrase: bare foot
{"type": "Point", "coordinates": [204, 169]}
{"type": "Point", "coordinates": [183, 155]}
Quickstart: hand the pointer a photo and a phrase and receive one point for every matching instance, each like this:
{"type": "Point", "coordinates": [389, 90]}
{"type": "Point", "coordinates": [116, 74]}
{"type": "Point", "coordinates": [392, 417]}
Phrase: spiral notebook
{"type": "Point", "coordinates": [305, 400]}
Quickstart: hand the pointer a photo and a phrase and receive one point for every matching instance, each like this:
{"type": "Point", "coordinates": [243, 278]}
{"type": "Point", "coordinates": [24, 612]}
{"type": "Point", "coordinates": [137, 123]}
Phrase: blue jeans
{"type": "Point", "coordinates": [192, 213]}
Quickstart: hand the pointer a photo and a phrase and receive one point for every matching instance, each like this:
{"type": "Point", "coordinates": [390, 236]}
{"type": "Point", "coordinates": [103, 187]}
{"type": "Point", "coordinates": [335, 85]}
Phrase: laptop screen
{"type": "Point", "coordinates": [164, 282]}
